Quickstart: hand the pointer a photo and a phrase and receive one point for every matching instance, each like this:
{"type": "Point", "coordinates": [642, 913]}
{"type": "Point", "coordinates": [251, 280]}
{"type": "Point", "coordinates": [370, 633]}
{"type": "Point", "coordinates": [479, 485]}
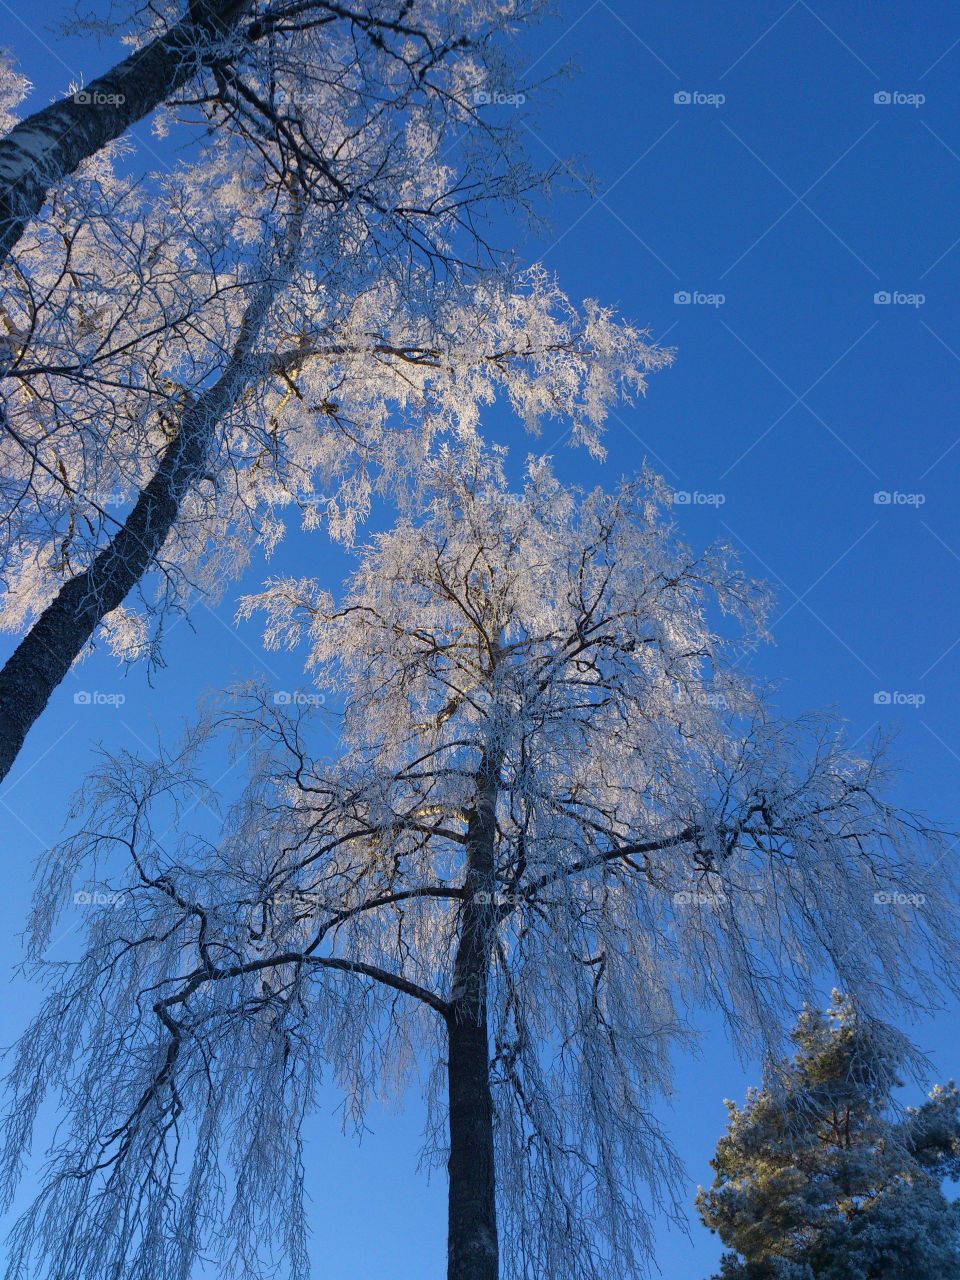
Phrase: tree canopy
{"type": "Point", "coordinates": [280, 326]}
{"type": "Point", "coordinates": [557, 819]}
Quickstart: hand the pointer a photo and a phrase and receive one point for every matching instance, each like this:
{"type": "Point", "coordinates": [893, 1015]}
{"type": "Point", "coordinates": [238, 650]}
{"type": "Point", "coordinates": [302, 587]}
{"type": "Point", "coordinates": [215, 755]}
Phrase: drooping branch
{"type": "Point", "coordinates": [619, 853]}
{"type": "Point", "coordinates": [384, 976]}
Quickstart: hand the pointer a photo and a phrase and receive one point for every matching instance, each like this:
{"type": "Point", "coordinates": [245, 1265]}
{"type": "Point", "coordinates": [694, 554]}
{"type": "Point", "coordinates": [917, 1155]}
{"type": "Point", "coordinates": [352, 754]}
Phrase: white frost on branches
{"type": "Point", "coordinates": [660, 841]}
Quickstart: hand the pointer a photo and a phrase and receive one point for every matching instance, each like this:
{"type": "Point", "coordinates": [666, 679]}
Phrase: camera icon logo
{"type": "Point", "coordinates": [682, 97]}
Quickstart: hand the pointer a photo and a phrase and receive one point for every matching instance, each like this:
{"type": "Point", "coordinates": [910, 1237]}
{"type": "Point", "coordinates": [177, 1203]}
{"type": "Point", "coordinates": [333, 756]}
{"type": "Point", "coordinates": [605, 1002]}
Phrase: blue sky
{"type": "Point", "coordinates": [783, 197]}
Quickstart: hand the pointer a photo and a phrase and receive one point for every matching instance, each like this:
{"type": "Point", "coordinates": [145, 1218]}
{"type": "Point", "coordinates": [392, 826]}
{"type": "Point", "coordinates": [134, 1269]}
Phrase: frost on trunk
{"type": "Point", "coordinates": [558, 823]}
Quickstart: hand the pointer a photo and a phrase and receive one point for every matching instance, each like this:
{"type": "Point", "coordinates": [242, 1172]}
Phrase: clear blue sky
{"type": "Point", "coordinates": [798, 198]}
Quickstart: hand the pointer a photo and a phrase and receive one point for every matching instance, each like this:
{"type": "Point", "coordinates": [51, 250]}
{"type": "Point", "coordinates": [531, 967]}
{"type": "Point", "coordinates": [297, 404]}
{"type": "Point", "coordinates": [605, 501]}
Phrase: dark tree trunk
{"type": "Point", "coordinates": [53, 142]}
{"type": "Point", "coordinates": [57, 638]}
{"type": "Point", "coordinates": [472, 1250]}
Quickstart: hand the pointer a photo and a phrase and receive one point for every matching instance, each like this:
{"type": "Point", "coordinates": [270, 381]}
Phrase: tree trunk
{"type": "Point", "coordinates": [59, 635]}
{"type": "Point", "coordinates": [53, 142]}
{"type": "Point", "coordinates": [472, 1250]}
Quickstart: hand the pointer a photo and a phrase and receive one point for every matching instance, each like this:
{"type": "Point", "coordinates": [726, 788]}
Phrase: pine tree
{"type": "Point", "coordinates": [818, 1178]}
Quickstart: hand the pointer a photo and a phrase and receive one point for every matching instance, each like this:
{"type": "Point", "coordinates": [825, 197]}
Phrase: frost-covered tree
{"type": "Point", "coordinates": [558, 820]}
{"type": "Point", "coordinates": [182, 359]}
{"type": "Point", "coordinates": [819, 1177]}
{"type": "Point", "coordinates": [248, 66]}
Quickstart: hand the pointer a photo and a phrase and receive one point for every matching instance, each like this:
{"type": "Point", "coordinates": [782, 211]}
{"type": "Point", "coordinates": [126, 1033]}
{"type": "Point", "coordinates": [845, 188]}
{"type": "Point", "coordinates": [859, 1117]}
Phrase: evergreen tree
{"type": "Point", "coordinates": [818, 1177]}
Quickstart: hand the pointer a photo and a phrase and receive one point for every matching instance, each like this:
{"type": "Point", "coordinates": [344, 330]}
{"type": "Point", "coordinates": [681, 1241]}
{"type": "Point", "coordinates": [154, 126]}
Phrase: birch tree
{"type": "Point", "coordinates": [225, 60]}
{"type": "Point", "coordinates": [183, 359]}
{"type": "Point", "coordinates": [559, 821]}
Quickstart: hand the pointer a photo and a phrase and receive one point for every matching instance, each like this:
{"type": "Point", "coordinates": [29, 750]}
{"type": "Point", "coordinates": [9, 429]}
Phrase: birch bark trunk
{"type": "Point", "coordinates": [53, 142]}
{"type": "Point", "coordinates": [58, 636]}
